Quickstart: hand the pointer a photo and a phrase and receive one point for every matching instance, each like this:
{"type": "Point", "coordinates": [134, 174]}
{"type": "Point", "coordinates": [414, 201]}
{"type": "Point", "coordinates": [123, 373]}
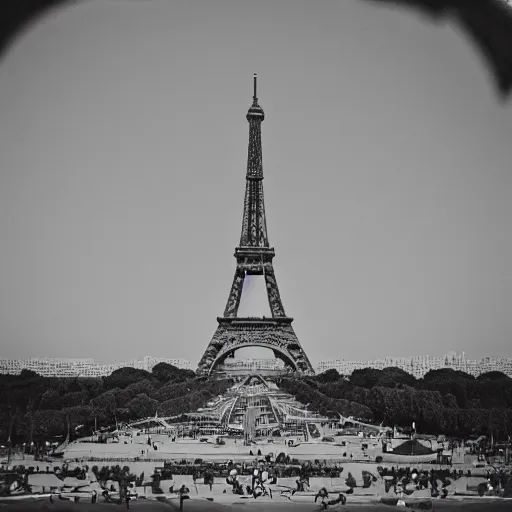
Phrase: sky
{"type": "Point", "coordinates": [123, 147]}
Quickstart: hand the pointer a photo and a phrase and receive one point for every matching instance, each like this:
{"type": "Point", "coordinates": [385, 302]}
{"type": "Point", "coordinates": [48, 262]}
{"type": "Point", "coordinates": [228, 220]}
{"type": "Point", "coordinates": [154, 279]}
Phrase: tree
{"type": "Point", "coordinates": [141, 386]}
{"type": "Point", "coordinates": [305, 394]}
{"type": "Point", "coordinates": [73, 385]}
{"type": "Point", "coordinates": [450, 402]}
{"type": "Point", "coordinates": [71, 399]}
{"type": "Point", "coordinates": [49, 423]}
{"type": "Point", "coordinates": [107, 402]}
{"type": "Point", "coordinates": [80, 415]}
{"type": "Point", "coordinates": [142, 406]}
{"type": "Point", "coordinates": [173, 390]}
{"type": "Point", "coordinates": [428, 410]}
{"type": "Point", "coordinates": [449, 422]}
{"type": "Point", "coordinates": [447, 380]}
{"type": "Point", "coordinates": [395, 377]}
{"type": "Point", "coordinates": [165, 372]}
{"type": "Point", "coordinates": [49, 399]}
{"type": "Point", "coordinates": [376, 403]}
{"type": "Point", "coordinates": [331, 375]}
{"type": "Point", "coordinates": [366, 377]}
{"type": "Point", "coordinates": [124, 377]}
{"type": "Point", "coordinates": [493, 375]}
{"type": "Point", "coordinates": [28, 375]}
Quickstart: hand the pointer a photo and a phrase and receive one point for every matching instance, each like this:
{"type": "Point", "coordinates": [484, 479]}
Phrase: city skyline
{"type": "Point", "coordinates": [83, 367]}
{"type": "Point", "coordinates": [387, 187]}
{"type": "Point", "coordinates": [418, 366]}
{"type": "Point", "coordinates": [415, 365]}
{"type": "Point", "coordinates": [319, 364]}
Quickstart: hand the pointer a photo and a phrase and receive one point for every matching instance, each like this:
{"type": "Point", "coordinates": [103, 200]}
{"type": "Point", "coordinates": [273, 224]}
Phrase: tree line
{"type": "Point", "coordinates": [36, 408]}
{"type": "Point", "coordinates": [445, 401]}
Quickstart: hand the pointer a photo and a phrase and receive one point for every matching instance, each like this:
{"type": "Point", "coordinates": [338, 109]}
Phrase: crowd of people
{"type": "Point", "coordinates": [264, 477]}
{"type": "Point", "coordinates": [407, 480]}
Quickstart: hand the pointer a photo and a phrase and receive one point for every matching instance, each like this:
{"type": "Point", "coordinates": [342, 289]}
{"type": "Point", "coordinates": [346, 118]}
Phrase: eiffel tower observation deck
{"type": "Point", "coordinates": [254, 257]}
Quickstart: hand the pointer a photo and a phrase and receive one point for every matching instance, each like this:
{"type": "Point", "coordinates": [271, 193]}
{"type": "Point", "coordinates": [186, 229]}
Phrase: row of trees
{"type": "Point", "coordinates": [443, 401]}
{"type": "Point", "coordinates": [36, 408]}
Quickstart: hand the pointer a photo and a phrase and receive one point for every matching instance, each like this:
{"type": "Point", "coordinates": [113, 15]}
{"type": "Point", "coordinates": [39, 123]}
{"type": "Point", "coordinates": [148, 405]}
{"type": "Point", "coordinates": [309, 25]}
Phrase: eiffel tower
{"type": "Point", "coordinates": [254, 257]}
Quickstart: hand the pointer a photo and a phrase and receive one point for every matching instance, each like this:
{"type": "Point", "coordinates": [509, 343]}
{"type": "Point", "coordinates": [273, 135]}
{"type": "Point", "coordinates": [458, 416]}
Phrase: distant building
{"type": "Point", "coordinates": [420, 365]}
{"type": "Point", "coordinates": [149, 362]}
{"type": "Point", "coordinates": [255, 364]}
{"type": "Point", "coordinates": [60, 367]}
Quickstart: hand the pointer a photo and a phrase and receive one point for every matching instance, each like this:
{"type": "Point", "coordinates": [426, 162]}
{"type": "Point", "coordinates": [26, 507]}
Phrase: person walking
{"type": "Point", "coordinates": [210, 480]}
{"type": "Point", "coordinates": [184, 493]}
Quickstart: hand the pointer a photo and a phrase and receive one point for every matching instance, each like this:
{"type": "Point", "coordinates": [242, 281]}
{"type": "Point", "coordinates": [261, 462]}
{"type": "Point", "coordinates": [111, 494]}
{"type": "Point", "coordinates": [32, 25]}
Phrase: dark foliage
{"type": "Point", "coordinates": [494, 375]}
{"type": "Point", "coordinates": [444, 401]}
{"type": "Point", "coordinates": [388, 377]}
{"type": "Point", "coordinates": [323, 403]}
{"type": "Point", "coordinates": [124, 377]}
{"type": "Point", "coordinates": [197, 394]}
{"type": "Point", "coordinates": [331, 375]}
{"type": "Point", "coordinates": [166, 373]}
{"type": "Point", "coordinates": [40, 408]}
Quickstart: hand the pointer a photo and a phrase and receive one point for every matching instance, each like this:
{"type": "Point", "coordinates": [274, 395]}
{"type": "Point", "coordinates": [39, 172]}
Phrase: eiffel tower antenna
{"type": "Point", "coordinates": [254, 256]}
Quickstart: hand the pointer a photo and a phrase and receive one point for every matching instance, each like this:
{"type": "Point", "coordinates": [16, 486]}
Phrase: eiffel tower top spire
{"type": "Point", "coordinates": [255, 112]}
{"type": "Point", "coordinates": [254, 224]}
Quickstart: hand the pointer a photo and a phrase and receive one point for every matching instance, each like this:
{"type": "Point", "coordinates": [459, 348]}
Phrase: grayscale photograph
{"type": "Point", "coordinates": [255, 255]}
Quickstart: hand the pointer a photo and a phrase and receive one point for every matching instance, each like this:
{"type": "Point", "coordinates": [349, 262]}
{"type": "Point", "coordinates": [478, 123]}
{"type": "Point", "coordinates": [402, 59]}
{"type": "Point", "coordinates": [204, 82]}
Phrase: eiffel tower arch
{"type": "Point", "coordinates": [254, 257]}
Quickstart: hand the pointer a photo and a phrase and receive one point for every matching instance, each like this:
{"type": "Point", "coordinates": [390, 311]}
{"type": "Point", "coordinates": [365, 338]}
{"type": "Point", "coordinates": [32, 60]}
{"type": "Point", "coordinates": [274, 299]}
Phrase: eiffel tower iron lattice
{"type": "Point", "coordinates": [254, 257]}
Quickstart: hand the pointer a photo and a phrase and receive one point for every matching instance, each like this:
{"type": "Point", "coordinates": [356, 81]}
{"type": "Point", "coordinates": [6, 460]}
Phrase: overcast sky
{"type": "Point", "coordinates": [123, 147]}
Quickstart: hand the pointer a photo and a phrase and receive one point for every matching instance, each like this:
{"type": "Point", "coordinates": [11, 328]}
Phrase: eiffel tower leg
{"type": "Point", "coordinates": [274, 299]}
{"type": "Point", "coordinates": [214, 347]}
{"type": "Point", "coordinates": [235, 294]}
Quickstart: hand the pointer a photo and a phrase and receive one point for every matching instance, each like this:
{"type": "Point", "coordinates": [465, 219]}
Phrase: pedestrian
{"type": "Point", "coordinates": [323, 494]}
{"type": "Point", "coordinates": [184, 495]}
